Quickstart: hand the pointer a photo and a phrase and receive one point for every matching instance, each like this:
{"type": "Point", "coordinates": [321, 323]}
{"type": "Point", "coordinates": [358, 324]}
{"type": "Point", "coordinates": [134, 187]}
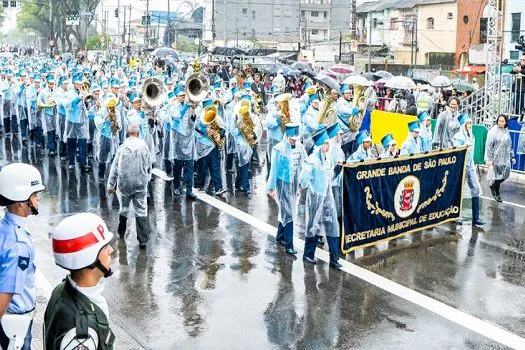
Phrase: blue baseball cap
{"type": "Point", "coordinates": [345, 88]}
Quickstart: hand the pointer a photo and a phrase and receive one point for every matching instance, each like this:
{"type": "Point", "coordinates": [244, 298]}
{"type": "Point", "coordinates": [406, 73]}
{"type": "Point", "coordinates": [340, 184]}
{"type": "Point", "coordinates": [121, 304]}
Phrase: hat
{"type": "Point", "coordinates": [37, 78]}
{"type": "Point", "coordinates": [246, 97]}
{"type": "Point", "coordinates": [388, 140]}
{"type": "Point", "coordinates": [333, 130]}
{"type": "Point", "coordinates": [423, 116]}
{"type": "Point", "coordinates": [344, 88]}
{"type": "Point", "coordinates": [363, 136]}
{"type": "Point", "coordinates": [78, 78]}
{"type": "Point", "coordinates": [179, 91]}
{"type": "Point", "coordinates": [171, 95]}
{"type": "Point", "coordinates": [50, 79]}
{"type": "Point", "coordinates": [320, 137]}
{"type": "Point", "coordinates": [413, 126]}
{"type": "Point", "coordinates": [62, 80]}
{"type": "Point", "coordinates": [206, 102]}
{"type": "Point", "coordinates": [246, 85]}
{"type": "Point", "coordinates": [280, 71]}
{"type": "Point", "coordinates": [217, 85]}
{"type": "Point", "coordinates": [464, 118]}
{"type": "Point", "coordinates": [314, 98]}
{"type": "Point", "coordinates": [292, 130]}
{"type": "Point", "coordinates": [115, 83]}
{"type": "Point", "coordinates": [134, 98]}
{"type": "Point", "coordinates": [283, 97]}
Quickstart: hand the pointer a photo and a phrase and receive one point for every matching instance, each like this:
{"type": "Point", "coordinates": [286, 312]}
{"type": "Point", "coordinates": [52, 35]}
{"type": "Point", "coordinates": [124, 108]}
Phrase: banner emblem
{"type": "Point", "coordinates": [406, 196]}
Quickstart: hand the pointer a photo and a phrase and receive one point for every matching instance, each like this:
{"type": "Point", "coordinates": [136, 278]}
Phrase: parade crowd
{"type": "Point", "coordinates": [188, 126]}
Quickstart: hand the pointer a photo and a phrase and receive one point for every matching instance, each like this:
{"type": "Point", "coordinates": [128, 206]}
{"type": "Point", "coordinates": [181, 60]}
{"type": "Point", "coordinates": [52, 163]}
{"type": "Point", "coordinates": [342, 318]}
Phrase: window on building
{"type": "Point", "coordinates": [394, 23]}
{"type": "Point", "coordinates": [253, 32]}
{"type": "Point", "coordinates": [253, 14]}
{"type": "Point", "coordinates": [450, 15]}
{"type": "Point", "coordinates": [516, 26]}
{"type": "Point", "coordinates": [315, 32]}
{"type": "Point", "coordinates": [314, 14]}
{"type": "Point", "coordinates": [514, 55]}
{"type": "Point", "coordinates": [325, 14]}
{"type": "Point", "coordinates": [303, 13]}
{"type": "Point", "coordinates": [277, 12]}
{"type": "Point", "coordinates": [287, 13]}
{"type": "Point", "coordinates": [430, 23]}
{"type": "Point", "coordinates": [483, 30]}
{"type": "Point", "coordinates": [244, 11]}
{"type": "Point", "coordinates": [287, 30]}
{"type": "Point", "coordinates": [374, 23]}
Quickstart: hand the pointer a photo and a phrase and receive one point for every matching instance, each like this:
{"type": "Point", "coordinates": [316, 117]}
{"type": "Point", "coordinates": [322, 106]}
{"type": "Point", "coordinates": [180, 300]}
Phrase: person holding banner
{"type": "Point", "coordinates": [499, 155]}
{"type": "Point", "coordinates": [465, 137]}
{"type": "Point", "coordinates": [447, 125]}
{"type": "Point", "coordinates": [425, 131]}
{"type": "Point", "coordinates": [364, 151]}
{"type": "Point", "coordinates": [389, 147]}
{"type": "Point", "coordinates": [316, 178]}
{"type": "Point", "coordinates": [413, 143]}
{"type": "Point", "coordinates": [288, 156]}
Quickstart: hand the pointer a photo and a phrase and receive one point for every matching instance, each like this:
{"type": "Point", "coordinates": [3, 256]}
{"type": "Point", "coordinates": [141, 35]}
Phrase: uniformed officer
{"type": "Point", "coordinates": [77, 314]}
{"type": "Point", "coordinates": [19, 187]}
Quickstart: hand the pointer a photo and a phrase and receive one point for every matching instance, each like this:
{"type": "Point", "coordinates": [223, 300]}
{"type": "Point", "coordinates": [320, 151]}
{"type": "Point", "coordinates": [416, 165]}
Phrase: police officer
{"type": "Point", "coordinates": [19, 187]}
{"type": "Point", "coordinates": [77, 313]}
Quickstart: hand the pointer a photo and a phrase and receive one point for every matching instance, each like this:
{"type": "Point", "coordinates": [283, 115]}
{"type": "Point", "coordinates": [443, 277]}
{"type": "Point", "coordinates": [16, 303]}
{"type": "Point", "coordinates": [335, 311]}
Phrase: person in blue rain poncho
{"type": "Point", "coordinates": [137, 116]}
{"type": "Point", "coordinates": [413, 144]}
{"type": "Point", "coordinates": [230, 121]}
{"type": "Point", "coordinates": [335, 133]}
{"type": "Point", "coordinates": [288, 156]}
{"type": "Point", "coordinates": [311, 123]}
{"type": "Point", "coordinates": [166, 120]}
{"type": "Point", "coordinates": [34, 115]}
{"type": "Point", "coordinates": [48, 106]}
{"type": "Point", "coordinates": [316, 178]}
{"type": "Point", "coordinates": [108, 122]}
{"type": "Point", "coordinates": [389, 147]}
{"type": "Point", "coordinates": [243, 143]}
{"type": "Point", "coordinates": [425, 131]}
{"type": "Point", "coordinates": [364, 149]}
{"type": "Point", "coordinates": [345, 110]}
{"type": "Point", "coordinates": [499, 155]}
{"type": "Point", "coordinates": [60, 96]}
{"type": "Point", "coordinates": [182, 146]}
{"type": "Point", "coordinates": [92, 110]}
{"type": "Point", "coordinates": [465, 138]}
{"type": "Point", "coordinates": [8, 96]}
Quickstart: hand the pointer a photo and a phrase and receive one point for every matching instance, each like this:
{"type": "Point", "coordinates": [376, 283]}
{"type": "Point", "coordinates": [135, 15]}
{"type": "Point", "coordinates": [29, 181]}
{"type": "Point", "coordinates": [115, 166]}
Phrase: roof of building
{"type": "Point", "coordinates": [431, 2]}
{"type": "Point", "coordinates": [381, 5]}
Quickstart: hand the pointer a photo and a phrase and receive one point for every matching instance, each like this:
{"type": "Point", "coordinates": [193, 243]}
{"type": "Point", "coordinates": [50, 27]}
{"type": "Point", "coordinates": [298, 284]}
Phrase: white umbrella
{"type": "Point", "coordinates": [440, 81]}
{"type": "Point", "coordinates": [357, 80]}
{"type": "Point", "coordinates": [400, 82]}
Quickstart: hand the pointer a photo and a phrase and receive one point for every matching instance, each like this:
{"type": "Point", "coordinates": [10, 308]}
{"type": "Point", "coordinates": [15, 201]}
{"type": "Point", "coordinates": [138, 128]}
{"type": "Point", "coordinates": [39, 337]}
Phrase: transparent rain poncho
{"type": "Point", "coordinates": [462, 138]}
{"type": "Point", "coordinates": [48, 114]}
{"type": "Point", "coordinates": [105, 142]}
{"type": "Point", "coordinates": [521, 140]}
{"type": "Point", "coordinates": [316, 177]}
{"type": "Point", "coordinates": [182, 145]}
{"type": "Point", "coordinates": [284, 177]}
{"type": "Point", "coordinates": [447, 125]}
{"type": "Point", "coordinates": [498, 149]}
{"type": "Point", "coordinates": [77, 120]}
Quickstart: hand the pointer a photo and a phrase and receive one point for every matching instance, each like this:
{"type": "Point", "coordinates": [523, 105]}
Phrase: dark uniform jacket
{"type": "Point", "coordinates": [68, 309]}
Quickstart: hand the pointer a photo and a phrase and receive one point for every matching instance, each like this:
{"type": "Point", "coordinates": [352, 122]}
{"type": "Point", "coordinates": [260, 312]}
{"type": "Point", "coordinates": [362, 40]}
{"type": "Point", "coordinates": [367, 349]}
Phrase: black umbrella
{"type": "Point", "coordinates": [302, 66]}
{"type": "Point", "coordinates": [330, 82]}
{"type": "Point", "coordinates": [370, 76]}
{"type": "Point", "coordinates": [162, 52]}
{"type": "Point", "coordinates": [383, 74]}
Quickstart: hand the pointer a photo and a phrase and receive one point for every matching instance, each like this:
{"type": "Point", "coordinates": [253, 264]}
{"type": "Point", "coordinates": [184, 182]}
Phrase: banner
{"type": "Point", "coordinates": [388, 198]}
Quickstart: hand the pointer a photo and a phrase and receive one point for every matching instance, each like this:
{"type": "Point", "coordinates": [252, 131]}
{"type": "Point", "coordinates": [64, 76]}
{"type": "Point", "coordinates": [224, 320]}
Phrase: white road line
{"type": "Point", "coordinates": [461, 318]}
{"type": "Point", "coordinates": [504, 202]}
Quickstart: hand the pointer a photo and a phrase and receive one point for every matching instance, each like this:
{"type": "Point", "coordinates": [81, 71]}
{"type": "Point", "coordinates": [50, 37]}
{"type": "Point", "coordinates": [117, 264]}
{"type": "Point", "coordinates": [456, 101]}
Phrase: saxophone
{"type": "Point", "coordinates": [284, 110]}
{"type": "Point", "coordinates": [328, 114]}
{"type": "Point", "coordinates": [245, 122]}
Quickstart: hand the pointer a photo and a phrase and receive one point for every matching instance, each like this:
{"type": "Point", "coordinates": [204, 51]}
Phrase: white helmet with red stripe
{"type": "Point", "coordinates": [78, 240]}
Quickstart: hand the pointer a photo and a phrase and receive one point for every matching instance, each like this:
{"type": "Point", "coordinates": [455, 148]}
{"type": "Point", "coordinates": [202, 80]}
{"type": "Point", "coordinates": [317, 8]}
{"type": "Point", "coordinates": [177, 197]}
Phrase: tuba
{"type": "Point", "coordinates": [328, 114]}
{"type": "Point", "coordinates": [245, 122]}
{"type": "Point", "coordinates": [354, 122]}
{"type": "Point", "coordinates": [209, 117]}
{"type": "Point", "coordinates": [153, 92]}
{"type": "Point", "coordinates": [284, 110]}
{"type": "Point", "coordinates": [111, 104]}
{"type": "Point", "coordinates": [197, 87]}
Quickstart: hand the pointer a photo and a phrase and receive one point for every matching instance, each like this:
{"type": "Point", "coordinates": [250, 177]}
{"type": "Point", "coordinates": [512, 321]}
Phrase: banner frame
{"type": "Point", "coordinates": [391, 160]}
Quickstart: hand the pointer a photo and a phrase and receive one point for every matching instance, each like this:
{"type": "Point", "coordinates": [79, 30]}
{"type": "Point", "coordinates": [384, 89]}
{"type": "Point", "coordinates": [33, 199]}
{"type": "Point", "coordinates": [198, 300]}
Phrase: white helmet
{"type": "Point", "coordinates": [18, 181]}
{"type": "Point", "coordinates": [78, 240]}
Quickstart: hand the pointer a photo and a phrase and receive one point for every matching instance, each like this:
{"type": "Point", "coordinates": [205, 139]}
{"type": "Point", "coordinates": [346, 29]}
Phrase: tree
{"type": "Point", "coordinates": [94, 42]}
{"type": "Point", "coordinates": [36, 16]}
{"type": "Point", "coordinates": [186, 44]}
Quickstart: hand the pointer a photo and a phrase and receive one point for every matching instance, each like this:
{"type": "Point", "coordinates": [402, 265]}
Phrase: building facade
{"type": "Point", "coordinates": [471, 32]}
{"type": "Point", "coordinates": [514, 24]}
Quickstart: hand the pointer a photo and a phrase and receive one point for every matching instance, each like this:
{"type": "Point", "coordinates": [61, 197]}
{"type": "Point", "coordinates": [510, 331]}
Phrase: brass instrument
{"type": "Point", "coordinates": [311, 90]}
{"type": "Point", "coordinates": [245, 122]}
{"type": "Point", "coordinates": [328, 114]}
{"type": "Point", "coordinates": [111, 104]}
{"type": "Point", "coordinates": [50, 103]}
{"type": "Point", "coordinates": [209, 117]}
{"type": "Point", "coordinates": [354, 122]}
{"type": "Point", "coordinates": [153, 92]}
{"type": "Point", "coordinates": [284, 110]}
{"type": "Point", "coordinates": [257, 104]}
{"type": "Point", "coordinates": [197, 87]}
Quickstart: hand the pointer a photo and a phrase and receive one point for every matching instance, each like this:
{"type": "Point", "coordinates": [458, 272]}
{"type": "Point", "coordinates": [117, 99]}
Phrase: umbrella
{"type": "Point", "coordinates": [400, 82]}
{"type": "Point", "coordinates": [302, 66]}
{"type": "Point", "coordinates": [381, 83]}
{"type": "Point", "coordinates": [370, 76]}
{"type": "Point", "coordinates": [357, 80]}
{"type": "Point", "coordinates": [383, 74]}
{"type": "Point", "coordinates": [162, 52]}
{"type": "Point", "coordinates": [440, 81]}
{"type": "Point", "coordinates": [330, 82]}
{"type": "Point", "coordinates": [340, 68]}
{"type": "Point", "coordinates": [462, 85]}
{"type": "Point", "coordinates": [422, 81]}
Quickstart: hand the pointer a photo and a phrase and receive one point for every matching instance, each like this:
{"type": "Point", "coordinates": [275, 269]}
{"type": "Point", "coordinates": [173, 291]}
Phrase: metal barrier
{"type": "Point", "coordinates": [518, 146]}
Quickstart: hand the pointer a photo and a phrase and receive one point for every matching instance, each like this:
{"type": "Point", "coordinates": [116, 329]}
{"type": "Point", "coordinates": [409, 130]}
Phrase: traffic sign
{"type": "Point", "coordinates": [353, 45]}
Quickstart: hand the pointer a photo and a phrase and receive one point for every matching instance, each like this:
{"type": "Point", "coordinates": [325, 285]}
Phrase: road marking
{"type": "Point", "coordinates": [504, 202]}
{"type": "Point", "coordinates": [461, 318]}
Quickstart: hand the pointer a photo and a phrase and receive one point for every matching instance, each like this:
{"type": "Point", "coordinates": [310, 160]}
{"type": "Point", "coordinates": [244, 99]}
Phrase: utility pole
{"type": "Point", "coordinates": [412, 45]}
{"type": "Point", "coordinates": [340, 44]}
{"type": "Point", "coordinates": [370, 42]}
{"type": "Point", "coordinates": [118, 28]}
{"type": "Point", "coordinates": [415, 42]}
{"type": "Point", "coordinates": [146, 37]}
{"type": "Point", "coordinates": [237, 35]}
{"type": "Point", "coordinates": [129, 27]}
{"type": "Point", "coordinates": [169, 25]}
{"type": "Point", "coordinates": [52, 33]}
{"type": "Point", "coordinates": [213, 19]}
{"type": "Point", "coordinates": [353, 23]}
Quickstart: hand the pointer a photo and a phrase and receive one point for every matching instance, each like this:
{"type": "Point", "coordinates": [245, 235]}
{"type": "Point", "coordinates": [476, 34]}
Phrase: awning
{"type": "Point", "coordinates": [470, 70]}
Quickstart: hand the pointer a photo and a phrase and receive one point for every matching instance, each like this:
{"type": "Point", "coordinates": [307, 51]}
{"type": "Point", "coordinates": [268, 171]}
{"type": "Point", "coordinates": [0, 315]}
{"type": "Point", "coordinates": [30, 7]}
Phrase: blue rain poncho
{"type": "Point", "coordinates": [182, 146]}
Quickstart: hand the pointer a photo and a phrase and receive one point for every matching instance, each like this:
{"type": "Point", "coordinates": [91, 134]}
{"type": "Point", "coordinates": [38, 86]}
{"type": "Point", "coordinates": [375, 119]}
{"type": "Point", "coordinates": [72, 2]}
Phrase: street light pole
{"type": "Point", "coordinates": [169, 24]}
{"type": "Point", "coordinates": [370, 43]}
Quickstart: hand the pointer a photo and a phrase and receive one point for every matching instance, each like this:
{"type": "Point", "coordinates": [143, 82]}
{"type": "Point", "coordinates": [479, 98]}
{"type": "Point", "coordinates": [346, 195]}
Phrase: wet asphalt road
{"type": "Point", "coordinates": [208, 280]}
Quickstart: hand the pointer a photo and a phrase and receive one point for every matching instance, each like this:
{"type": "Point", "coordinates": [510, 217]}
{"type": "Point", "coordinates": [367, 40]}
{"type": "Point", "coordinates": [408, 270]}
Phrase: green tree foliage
{"type": "Point", "coordinates": [186, 44]}
{"type": "Point", "coordinates": [36, 16]}
{"type": "Point", "coordinates": [94, 42]}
